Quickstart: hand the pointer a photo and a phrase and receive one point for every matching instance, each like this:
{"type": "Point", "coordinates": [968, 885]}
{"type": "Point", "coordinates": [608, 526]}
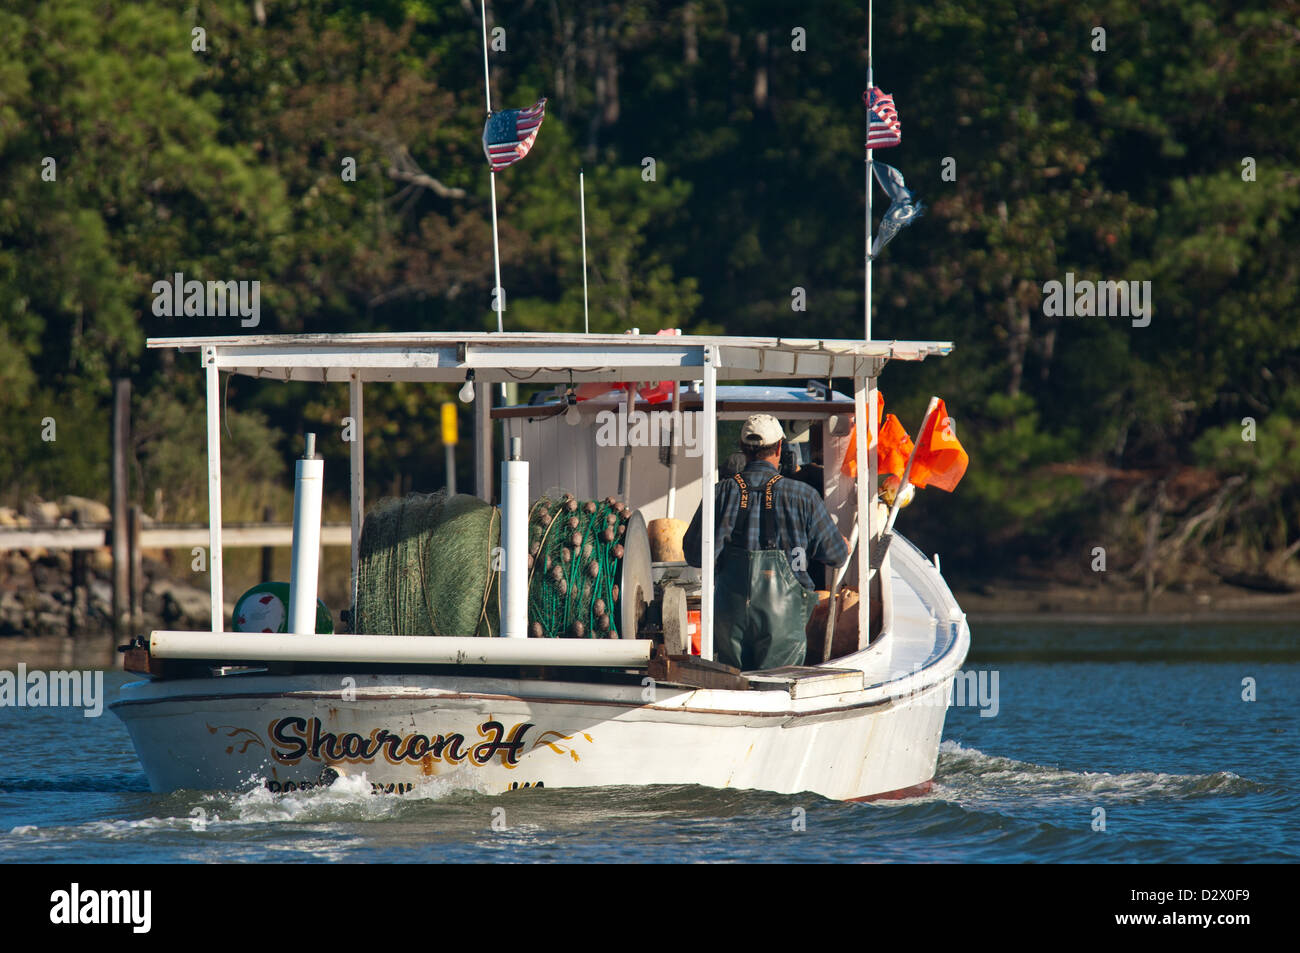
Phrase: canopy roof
{"type": "Point", "coordinates": [543, 358]}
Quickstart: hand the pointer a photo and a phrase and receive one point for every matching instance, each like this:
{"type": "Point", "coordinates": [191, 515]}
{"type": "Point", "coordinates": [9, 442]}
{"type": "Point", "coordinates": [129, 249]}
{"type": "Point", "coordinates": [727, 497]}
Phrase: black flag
{"type": "Point", "coordinates": [904, 207]}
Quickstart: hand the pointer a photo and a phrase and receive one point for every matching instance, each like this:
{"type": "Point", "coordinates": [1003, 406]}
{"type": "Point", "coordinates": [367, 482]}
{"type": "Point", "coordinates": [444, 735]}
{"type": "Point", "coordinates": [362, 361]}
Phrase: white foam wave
{"type": "Point", "coordinates": [350, 797]}
{"type": "Point", "coordinates": [102, 830]}
{"type": "Point", "coordinates": [966, 772]}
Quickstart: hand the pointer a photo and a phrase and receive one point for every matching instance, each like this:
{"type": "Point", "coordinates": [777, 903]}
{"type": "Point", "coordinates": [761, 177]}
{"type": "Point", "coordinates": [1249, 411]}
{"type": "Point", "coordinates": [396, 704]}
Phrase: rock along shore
{"type": "Point", "coordinates": [36, 585]}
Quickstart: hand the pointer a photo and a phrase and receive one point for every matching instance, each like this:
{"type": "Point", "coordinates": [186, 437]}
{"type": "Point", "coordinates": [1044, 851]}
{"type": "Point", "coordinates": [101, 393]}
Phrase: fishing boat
{"type": "Point", "coordinates": [546, 630]}
{"type": "Point", "coordinates": [496, 708]}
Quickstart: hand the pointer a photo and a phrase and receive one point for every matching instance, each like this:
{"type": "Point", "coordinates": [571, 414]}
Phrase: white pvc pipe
{"type": "Point", "coordinates": [216, 574]}
{"type": "Point", "coordinates": [399, 649]}
{"type": "Point", "coordinates": [514, 535]}
{"type": "Point", "coordinates": [309, 484]}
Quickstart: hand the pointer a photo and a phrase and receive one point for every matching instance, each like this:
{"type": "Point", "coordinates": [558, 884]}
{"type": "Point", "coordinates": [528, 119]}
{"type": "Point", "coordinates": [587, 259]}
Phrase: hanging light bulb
{"type": "Point", "coordinates": [467, 389]}
{"type": "Point", "coordinates": [573, 416]}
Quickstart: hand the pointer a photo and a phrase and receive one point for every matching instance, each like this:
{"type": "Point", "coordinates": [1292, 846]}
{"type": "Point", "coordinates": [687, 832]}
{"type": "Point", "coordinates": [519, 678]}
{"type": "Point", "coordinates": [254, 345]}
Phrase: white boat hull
{"type": "Point", "coordinates": [880, 738]}
{"type": "Point", "coordinates": [402, 732]}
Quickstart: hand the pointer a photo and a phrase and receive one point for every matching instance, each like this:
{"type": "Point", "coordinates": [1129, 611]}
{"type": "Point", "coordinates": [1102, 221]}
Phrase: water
{"type": "Point", "coordinates": [1088, 717]}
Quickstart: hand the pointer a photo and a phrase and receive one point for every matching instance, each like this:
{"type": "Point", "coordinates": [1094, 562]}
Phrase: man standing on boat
{"type": "Point", "coordinates": [762, 524]}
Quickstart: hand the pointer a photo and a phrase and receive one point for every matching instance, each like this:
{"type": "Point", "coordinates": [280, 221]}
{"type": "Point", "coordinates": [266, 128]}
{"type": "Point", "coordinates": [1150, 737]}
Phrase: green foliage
{"type": "Point", "coordinates": [227, 164]}
{"type": "Point", "coordinates": [1268, 455]}
{"type": "Point", "coordinates": [170, 437]}
{"type": "Point", "coordinates": [74, 462]}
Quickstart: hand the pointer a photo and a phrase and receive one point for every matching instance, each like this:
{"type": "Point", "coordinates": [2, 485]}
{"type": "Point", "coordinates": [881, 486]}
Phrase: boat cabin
{"type": "Point", "coordinates": [659, 456]}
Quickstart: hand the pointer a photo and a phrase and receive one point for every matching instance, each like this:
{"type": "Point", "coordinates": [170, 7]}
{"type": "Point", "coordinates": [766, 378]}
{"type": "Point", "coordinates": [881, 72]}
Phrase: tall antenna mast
{"type": "Point", "coordinates": [498, 294]}
{"type": "Point", "coordinates": [870, 170]}
{"type": "Point", "coordinates": [582, 201]}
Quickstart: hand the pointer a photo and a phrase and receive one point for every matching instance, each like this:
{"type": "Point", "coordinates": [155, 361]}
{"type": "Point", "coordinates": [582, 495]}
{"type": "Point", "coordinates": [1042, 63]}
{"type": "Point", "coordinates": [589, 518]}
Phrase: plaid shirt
{"type": "Point", "coordinates": [801, 521]}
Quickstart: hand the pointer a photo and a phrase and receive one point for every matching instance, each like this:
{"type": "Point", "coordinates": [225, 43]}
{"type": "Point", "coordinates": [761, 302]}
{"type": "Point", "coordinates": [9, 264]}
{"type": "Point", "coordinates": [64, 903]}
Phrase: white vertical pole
{"type": "Point", "coordinates": [710, 456]}
{"type": "Point", "coordinates": [582, 200]}
{"type": "Point", "coordinates": [870, 165]}
{"type": "Point", "coordinates": [487, 85]}
{"type": "Point", "coordinates": [304, 576]}
{"type": "Point", "coordinates": [864, 409]}
{"type": "Point", "coordinates": [357, 467]}
{"type": "Point", "coordinates": [214, 489]}
{"type": "Point", "coordinates": [497, 293]}
{"type": "Point", "coordinates": [863, 483]}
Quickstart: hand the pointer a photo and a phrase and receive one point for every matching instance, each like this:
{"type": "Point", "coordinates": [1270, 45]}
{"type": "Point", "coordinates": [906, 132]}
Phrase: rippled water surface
{"type": "Point", "coordinates": [1142, 727]}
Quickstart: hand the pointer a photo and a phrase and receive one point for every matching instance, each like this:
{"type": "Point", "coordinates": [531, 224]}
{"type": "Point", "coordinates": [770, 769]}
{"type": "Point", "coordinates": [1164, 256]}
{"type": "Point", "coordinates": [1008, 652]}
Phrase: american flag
{"type": "Point", "coordinates": [508, 135]}
{"type": "Point", "coordinates": [885, 130]}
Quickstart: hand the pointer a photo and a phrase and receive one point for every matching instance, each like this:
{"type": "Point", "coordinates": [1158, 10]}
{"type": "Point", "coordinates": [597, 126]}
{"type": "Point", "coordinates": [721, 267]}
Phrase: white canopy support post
{"type": "Point", "coordinates": [357, 468]}
{"type": "Point", "coordinates": [215, 579]}
{"type": "Point", "coordinates": [710, 455]}
{"type": "Point", "coordinates": [863, 485]}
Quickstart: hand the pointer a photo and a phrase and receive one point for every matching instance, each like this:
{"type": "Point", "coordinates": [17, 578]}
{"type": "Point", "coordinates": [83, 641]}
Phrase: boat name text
{"type": "Point", "coordinates": [294, 738]}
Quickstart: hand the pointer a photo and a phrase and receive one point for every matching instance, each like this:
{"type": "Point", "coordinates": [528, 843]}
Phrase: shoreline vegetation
{"type": "Point", "coordinates": [1016, 600]}
{"type": "Point", "coordinates": [36, 601]}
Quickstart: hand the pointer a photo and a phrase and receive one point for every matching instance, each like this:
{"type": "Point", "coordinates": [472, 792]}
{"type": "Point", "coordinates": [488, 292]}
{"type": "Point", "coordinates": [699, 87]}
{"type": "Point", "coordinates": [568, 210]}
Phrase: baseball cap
{"type": "Point", "coordinates": [761, 430]}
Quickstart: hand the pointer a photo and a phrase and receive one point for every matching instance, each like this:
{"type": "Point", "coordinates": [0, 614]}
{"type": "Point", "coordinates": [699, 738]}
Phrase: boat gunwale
{"type": "Point", "coordinates": [790, 714]}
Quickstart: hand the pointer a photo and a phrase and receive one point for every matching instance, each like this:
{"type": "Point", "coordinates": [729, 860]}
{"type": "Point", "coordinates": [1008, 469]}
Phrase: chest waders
{"type": "Point", "coordinates": [760, 609]}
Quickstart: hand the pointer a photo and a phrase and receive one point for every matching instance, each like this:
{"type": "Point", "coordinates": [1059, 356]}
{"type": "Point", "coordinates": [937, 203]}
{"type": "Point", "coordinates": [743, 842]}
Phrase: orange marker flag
{"type": "Point", "coordinates": [940, 459]}
{"type": "Point", "coordinates": [895, 447]}
{"type": "Point", "coordinates": [849, 466]}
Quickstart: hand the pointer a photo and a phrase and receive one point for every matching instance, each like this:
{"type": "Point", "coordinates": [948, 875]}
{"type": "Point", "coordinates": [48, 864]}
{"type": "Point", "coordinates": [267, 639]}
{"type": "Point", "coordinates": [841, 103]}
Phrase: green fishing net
{"type": "Point", "coordinates": [575, 548]}
{"type": "Point", "coordinates": [427, 567]}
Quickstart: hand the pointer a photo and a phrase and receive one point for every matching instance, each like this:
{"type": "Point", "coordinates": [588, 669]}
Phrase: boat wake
{"type": "Point", "coordinates": [349, 798]}
{"type": "Point", "coordinates": [240, 813]}
{"type": "Point", "coordinates": [968, 774]}
{"type": "Point", "coordinates": [983, 807]}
